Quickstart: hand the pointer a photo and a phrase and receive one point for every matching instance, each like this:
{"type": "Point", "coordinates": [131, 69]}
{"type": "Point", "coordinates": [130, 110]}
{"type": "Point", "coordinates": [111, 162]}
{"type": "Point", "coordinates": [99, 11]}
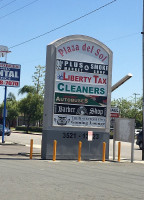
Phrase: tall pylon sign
{"type": "Point", "coordinates": [77, 96]}
{"type": "Point", "coordinates": [9, 77]}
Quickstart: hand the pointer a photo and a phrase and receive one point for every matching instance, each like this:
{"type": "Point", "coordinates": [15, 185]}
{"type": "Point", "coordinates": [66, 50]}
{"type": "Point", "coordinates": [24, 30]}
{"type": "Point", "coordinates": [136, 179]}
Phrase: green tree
{"type": "Point", "coordinates": [27, 89]}
{"type": "Point", "coordinates": [32, 106]}
{"type": "Point", "coordinates": [11, 97]}
{"type": "Point", "coordinates": [39, 79]}
{"type": "Point", "coordinates": [130, 109]}
{"type": "Point", "coordinates": [12, 109]}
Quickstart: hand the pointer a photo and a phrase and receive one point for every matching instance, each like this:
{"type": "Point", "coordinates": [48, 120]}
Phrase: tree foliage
{"type": "Point", "coordinates": [27, 89]}
{"type": "Point", "coordinates": [12, 109]}
{"type": "Point", "coordinates": [130, 109]}
{"type": "Point", "coordinates": [32, 107]}
{"type": "Point", "coordinates": [38, 79]}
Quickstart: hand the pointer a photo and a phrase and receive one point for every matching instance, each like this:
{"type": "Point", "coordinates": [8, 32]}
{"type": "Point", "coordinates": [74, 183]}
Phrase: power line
{"type": "Point", "coordinates": [18, 9]}
{"type": "Point", "coordinates": [59, 27]}
{"type": "Point", "coordinates": [124, 36]}
{"type": "Point", "coordinates": [7, 4]}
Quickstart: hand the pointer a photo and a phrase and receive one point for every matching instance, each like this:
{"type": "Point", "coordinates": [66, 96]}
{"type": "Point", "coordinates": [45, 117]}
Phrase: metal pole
{"type": "Point", "coordinates": [4, 114]}
{"type": "Point", "coordinates": [132, 149]}
{"type": "Point", "coordinates": [143, 78]}
{"type": "Point", "coordinates": [113, 148]}
{"type": "Point", "coordinates": [135, 94]}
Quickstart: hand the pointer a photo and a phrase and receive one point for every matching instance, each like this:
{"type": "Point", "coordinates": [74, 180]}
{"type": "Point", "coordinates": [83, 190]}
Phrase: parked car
{"type": "Point", "coordinates": [139, 140]}
{"type": "Point", "coordinates": [7, 130]}
{"type": "Point", "coordinates": [137, 131]}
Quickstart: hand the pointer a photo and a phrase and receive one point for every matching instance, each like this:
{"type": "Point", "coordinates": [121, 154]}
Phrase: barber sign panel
{"type": "Point", "coordinates": [10, 74]}
{"type": "Point", "coordinates": [81, 85]}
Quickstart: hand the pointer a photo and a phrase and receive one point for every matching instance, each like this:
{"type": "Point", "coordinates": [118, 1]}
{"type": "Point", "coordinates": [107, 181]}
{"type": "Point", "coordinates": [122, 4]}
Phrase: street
{"type": "Point", "coordinates": [22, 178]}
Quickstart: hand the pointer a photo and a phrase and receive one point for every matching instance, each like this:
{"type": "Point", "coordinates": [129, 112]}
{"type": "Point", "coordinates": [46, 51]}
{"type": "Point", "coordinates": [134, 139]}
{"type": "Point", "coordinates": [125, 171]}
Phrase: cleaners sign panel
{"type": "Point", "coordinates": [81, 85]}
{"type": "Point", "coordinates": [9, 74]}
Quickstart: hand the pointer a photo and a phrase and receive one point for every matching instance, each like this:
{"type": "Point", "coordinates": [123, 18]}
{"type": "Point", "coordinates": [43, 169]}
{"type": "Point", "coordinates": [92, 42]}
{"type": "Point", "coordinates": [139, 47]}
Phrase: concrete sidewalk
{"type": "Point", "coordinates": [11, 150]}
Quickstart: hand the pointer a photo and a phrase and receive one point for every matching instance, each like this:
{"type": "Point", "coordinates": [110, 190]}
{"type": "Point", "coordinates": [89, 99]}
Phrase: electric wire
{"type": "Point", "coordinates": [124, 36]}
{"type": "Point", "coordinates": [18, 9]}
{"type": "Point", "coordinates": [66, 24]}
{"type": "Point", "coordinates": [7, 4]}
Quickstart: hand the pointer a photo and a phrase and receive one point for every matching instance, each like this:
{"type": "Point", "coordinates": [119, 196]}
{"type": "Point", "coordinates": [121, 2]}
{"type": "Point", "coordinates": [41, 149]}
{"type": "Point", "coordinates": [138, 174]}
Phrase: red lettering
{"type": "Point", "coordinates": [65, 50]}
{"type": "Point", "coordinates": [76, 78]}
{"type": "Point", "coordinates": [69, 49]}
{"type": "Point", "coordinates": [81, 79]}
{"type": "Point", "coordinates": [101, 56]}
{"type": "Point", "coordinates": [97, 52]}
{"type": "Point", "coordinates": [104, 81]}
{"type": "Point", "coordinates": [72, 78]}
{"type": "Point", "coordinates": [104, 58]}
{"type": "Point", "coordinates": [95, 78]}
{"type": "Point", "coordinates": [61, 52]}
{"type": "Point", "coordinates": [64, 77]}
{"type": "Point", "coordinates": [92, 49]}
{"type": "Point", "coordinates": [100, 81]}
{"type": "Point", "coordinates": [84, 47]}
{"type": "Point", "coordinates": [88, 48]}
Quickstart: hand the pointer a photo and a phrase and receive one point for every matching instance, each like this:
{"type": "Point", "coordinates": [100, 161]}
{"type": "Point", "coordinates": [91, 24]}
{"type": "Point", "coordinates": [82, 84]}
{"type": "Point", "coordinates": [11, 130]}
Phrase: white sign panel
{"type": "Point", "coordinates": [114, 110]}
{"type": "Point", "coordinates": [77, 88]}
{"type": "Point", "coordinates": [124, 129]}
{"type": "Point", "coordinates": [81, 69]}
{"type": "Point", "coordinates": [82, 51]}
{"type": "Point", "coordinates": [90, 135]}
{"type": "Point", "coordinates": [78, 121]}
{"type": "Point", "coordinates": [96, 79]}
{"type": "Point", "coordinates": [3, 50]}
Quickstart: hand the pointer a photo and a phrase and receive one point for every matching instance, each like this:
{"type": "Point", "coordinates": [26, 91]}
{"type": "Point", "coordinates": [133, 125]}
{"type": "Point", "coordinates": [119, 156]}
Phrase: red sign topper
{"type": "Point", "coordinates": [114, 112]}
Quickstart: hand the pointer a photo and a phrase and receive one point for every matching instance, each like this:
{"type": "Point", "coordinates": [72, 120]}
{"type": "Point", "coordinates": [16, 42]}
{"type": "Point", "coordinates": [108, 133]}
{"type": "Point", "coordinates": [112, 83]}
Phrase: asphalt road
{"type": "Point", "coordinates": [69, 180]}
{"type": "Point", "coordinates": [36, 179]}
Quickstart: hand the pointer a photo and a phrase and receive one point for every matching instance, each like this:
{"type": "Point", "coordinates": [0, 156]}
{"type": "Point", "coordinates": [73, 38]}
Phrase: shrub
{"type": "Point", "coordinates": [31, 128]}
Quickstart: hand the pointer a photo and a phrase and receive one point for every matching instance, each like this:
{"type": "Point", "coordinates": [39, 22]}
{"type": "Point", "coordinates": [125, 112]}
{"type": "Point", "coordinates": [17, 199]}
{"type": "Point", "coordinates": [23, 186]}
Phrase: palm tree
{"type": "Point", "coordinates": [27, 89]}
{"type": "Point", "coordinates": [11, 97]}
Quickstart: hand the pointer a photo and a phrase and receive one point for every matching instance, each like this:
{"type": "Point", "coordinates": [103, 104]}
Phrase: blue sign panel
{"type": "Point", "coordinates": [10, 74]}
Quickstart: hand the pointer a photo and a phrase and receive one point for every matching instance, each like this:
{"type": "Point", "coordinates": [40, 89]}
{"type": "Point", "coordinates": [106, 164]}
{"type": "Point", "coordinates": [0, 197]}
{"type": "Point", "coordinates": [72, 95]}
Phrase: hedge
{"type": "Point", "coordinates": [31, 128]}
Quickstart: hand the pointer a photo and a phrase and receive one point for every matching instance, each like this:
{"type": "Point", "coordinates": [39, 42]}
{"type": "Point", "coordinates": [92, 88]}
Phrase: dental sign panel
{"type": "Point", "coordinates": [81, 82]}
{"type": "Point", "coordinates": [10, 75]}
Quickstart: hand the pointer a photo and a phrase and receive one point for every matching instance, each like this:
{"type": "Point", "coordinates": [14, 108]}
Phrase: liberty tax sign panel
{"type": "Point", "coordinates": [81, 85]}
{"type": "Point", "coordinates": [10, 74]}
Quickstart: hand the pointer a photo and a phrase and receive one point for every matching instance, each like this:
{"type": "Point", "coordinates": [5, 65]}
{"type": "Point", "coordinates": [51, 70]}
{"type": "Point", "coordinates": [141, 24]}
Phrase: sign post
{"type": "Point", "coordinates": [9, 76]}
{"type": "Point", "coordinates": [4, 114]}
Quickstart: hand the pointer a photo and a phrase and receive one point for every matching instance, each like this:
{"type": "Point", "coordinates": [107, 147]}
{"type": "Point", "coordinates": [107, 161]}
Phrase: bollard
{"type": "Point", "coordinates": [41, 149]}
{"type": "Point", "coordinates": [54, 150]}
{"type": "Point", "coordinates": [79, 151]}
{"type": "Point", "coordinates": [119, 151]}
{"type": "Point", "coordinates": [31, 148]}
{"type": "Point", "coordinates": [104, 150]}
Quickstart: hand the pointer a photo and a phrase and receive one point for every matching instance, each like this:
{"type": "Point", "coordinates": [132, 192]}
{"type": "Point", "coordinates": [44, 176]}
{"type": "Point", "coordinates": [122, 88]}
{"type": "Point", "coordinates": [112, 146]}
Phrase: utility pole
{"type": "Point", "coordinates": [135, 94]}
{"type": "Point", "coordinates": [143, 78]}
